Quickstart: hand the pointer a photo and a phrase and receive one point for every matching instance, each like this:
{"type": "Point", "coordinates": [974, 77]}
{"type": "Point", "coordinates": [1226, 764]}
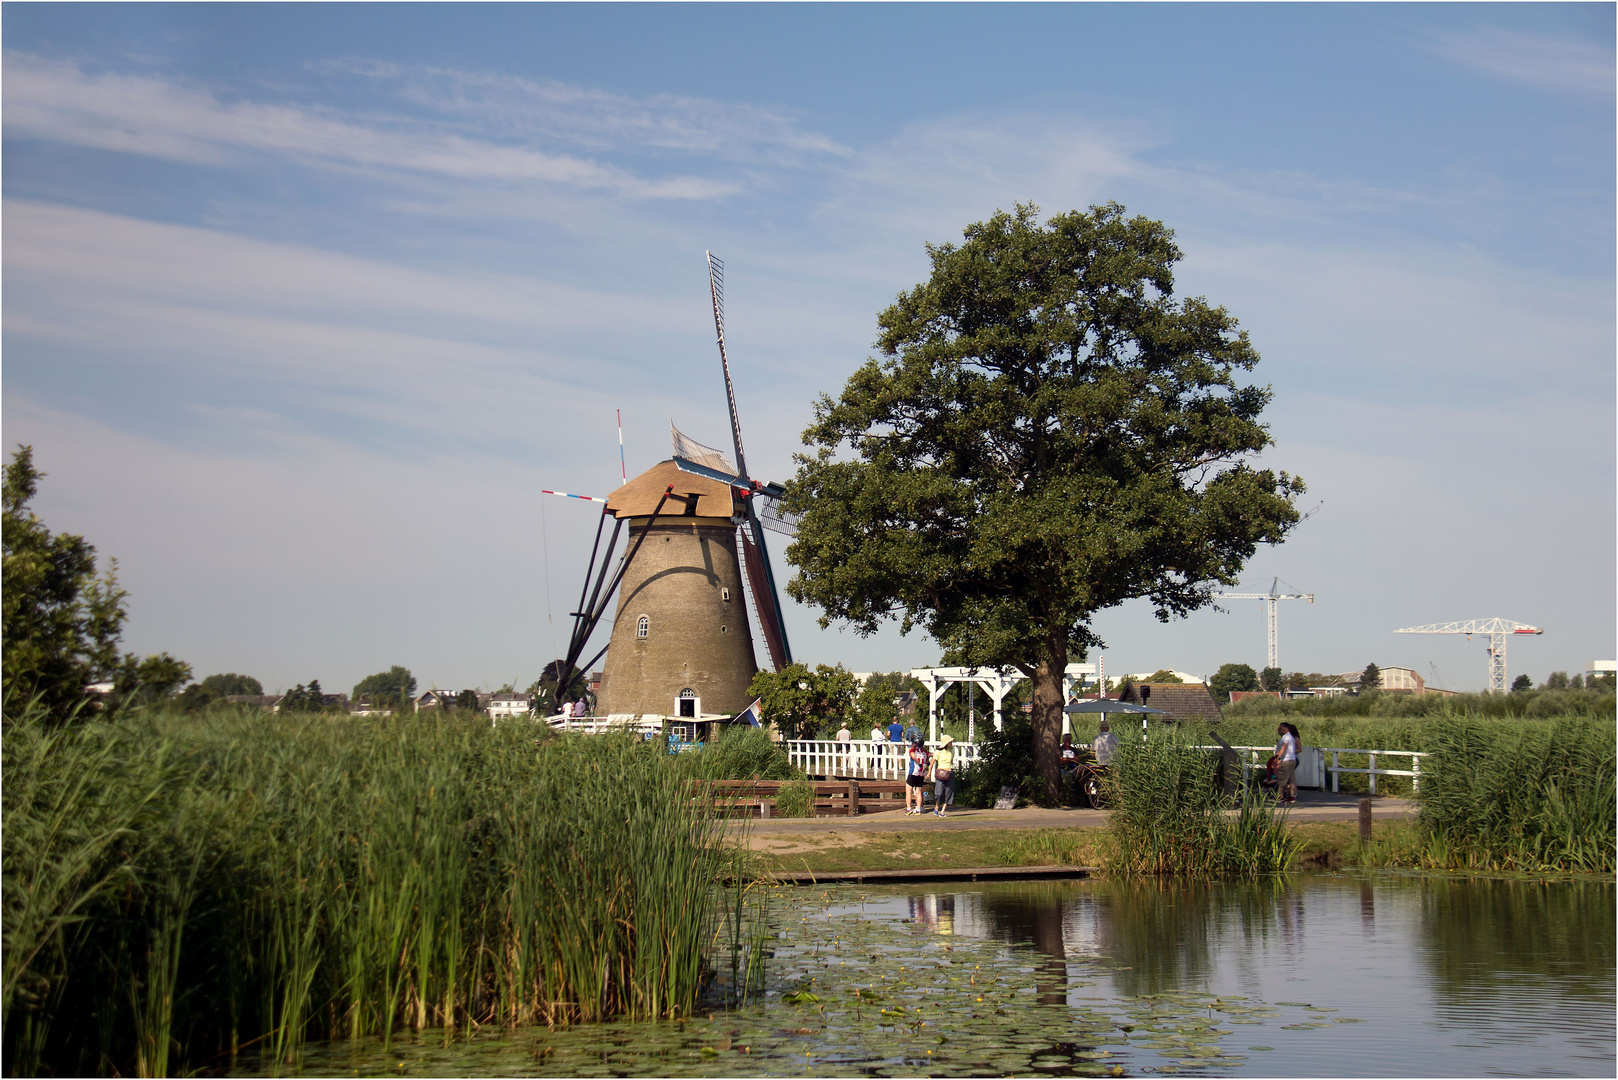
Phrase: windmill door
{"type": "Point", "coordinates": [688, 704]}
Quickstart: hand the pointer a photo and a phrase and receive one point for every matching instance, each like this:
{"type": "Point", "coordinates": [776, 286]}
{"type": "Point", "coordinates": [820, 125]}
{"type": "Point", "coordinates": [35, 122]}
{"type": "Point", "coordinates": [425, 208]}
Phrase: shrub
{"type": "Point", "coordinates": [1005, 759]}
{"type": "Point", "coordinates": [1170, 816]}
{"type": "Point", "coordinates": [742, 753]}
{"type": "Point", "coordinates": [795, 799]}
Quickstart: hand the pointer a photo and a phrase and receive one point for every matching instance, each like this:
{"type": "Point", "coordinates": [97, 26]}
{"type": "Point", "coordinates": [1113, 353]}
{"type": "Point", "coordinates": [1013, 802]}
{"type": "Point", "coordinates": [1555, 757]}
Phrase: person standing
{"type": "Point", "coordinates": [1286, 766]}
{"type": "Point", "coordinates": [896, 738]}
{"type": "Point", "coordinates": [1105, 744]}
{"type": "Point", "coordinates": [918, 767]}
{"type": "Point", "coordinates": [845, 739]}
{"type": "Point", "coordinates": [944, 776]}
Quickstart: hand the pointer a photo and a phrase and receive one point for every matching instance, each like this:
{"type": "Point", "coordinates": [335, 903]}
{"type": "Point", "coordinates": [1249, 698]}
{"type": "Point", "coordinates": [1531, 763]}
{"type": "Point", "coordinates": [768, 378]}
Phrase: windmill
{"type": "Point", "coordinates": [680, 642]}
{"type": "Point", "coordinates": [695, 458]}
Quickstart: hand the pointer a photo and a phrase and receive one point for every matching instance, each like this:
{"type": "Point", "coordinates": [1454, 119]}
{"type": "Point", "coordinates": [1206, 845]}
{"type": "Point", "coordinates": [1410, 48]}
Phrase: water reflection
{"type": "Point", "coordinates": [1366, 975]}
{"type": "Point", "coordinates": [1510, 965]}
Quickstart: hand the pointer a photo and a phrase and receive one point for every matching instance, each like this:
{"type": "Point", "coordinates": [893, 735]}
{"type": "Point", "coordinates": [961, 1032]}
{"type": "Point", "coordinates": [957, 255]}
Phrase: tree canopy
{"type": "Point", "coordinates": [1370, 678]}
{"type": "Point", "coordinates": [62, 621]}
{"type": "Point", "coordinates": [1231, 677]}
{"type": "Point", "coordinates": [805, 703]}
{"type": "Point", "coordinates": [395, 686]}
{"type": "Point", "coordinates": [1050, 434]}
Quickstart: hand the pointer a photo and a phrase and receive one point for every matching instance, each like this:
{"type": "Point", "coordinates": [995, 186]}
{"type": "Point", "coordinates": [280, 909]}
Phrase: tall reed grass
{"type": "Point", "coordinates": [181, 890]}
{"type": "Point", "coordinates": [1521, 797]}
{"type": "Point", "coordinates": [1171, 816]}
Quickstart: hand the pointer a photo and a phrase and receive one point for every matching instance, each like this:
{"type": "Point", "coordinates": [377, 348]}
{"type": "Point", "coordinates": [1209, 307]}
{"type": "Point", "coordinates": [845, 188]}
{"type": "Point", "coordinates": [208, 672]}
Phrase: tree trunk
{"type": "Point", "coordinates": [1047, 718]}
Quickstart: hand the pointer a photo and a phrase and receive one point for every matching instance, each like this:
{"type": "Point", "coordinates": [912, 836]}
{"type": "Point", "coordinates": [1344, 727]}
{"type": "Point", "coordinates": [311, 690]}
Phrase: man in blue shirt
{"type": "Point", "coordinates": [896, 738]}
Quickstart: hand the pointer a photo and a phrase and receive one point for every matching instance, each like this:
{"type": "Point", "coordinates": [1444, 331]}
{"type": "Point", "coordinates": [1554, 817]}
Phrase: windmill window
{"type": "Point", "coordinates": [724, 594]}
{"type": "Point", "coordinates": [643, 627]}
{"type": "Point", "coordinates": [722, 629]}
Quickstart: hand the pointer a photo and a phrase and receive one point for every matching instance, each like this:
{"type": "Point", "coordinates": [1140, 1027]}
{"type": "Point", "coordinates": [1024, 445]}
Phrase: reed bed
{"type": "Point", "coordinates": [182, 890]}
{"type": "Point", "coordinates": [1170, 814]}
{"type": "Point", "coordinates": [1520, 797]}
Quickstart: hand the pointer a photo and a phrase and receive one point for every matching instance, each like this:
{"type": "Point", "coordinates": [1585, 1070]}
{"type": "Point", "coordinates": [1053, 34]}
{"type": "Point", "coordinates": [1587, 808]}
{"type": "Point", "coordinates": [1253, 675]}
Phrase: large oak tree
{"type": "Point", "coordinates": [1050, 433]}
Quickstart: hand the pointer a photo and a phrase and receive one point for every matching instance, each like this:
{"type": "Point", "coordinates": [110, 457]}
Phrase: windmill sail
{"type": "Point", "coordinates": [761, 584]}
{"type": "Point", "coordinates": [772, 517]}
{"type": "Point", "coordinates": [760, 575]}
{"type": "Point", "coordinates": [706, 456]}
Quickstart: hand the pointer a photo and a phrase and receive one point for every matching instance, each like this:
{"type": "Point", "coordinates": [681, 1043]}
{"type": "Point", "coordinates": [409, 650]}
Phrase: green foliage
{"type": "Point", "coordinates": [176, 888]}
{"type": "Point", "coordinates": [230, 685]}
{"type": "Point", "coordinates": [1051, 435]}
{"type": "Point", "coordinates": [1271, 679]}
{"type": "Point", "coordinates": [874, 707]}
{"type": "Point", "coordinates": [1005, 759]}
{"type": "Point", "coordinates": [1169, 815]}
{"type": "Point", "coordinates": [61, 621]}
{"type": "Point", "coordinates": [467, 701]}
{"type": "Point", "coordinates": [302, 699]}
{"type": "Point", "coordinates": [147, 681]}
{"type": "Point", "coordinates": [1522, 796]}
{"type": "Point", "coordinates": [392, 688]}
{"type": "Point", "coordinates": [216, 688]}
{"type": "Point", "coordinates": [1163, 675]}
{"type": "Point", "coordinates": [1598, 703]}
{"type": "Point", "coordinates": [1232, 677]}
{"type": "Point", "coordinates": [1521, 683]}
{"type": "Point", "coordinates": [741, 752]}
{"type": "Point", "coordinates": [1556, 680]}
{"type": "Point", "coordinates": [805, 704]}
{"type": "Point", "coordinates": [795, 799]}
{"type": "Point", "coordinates": [1370, 678]}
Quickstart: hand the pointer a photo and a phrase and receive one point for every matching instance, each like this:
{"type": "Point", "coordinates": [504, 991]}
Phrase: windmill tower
{"type": "Point", "coordinates": [682, 643]}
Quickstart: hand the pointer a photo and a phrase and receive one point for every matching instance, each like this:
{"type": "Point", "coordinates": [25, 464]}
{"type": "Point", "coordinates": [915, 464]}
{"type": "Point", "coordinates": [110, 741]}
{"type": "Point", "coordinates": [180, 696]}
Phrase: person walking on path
{"type": "Point", "coordinates": [896, 738]}
{"type": "Point", "coordinates": [918, 767]}
{"type": "Point", "coordinates": [944, 776]}
{"type": "Point", "coordinates": [1286, 765]}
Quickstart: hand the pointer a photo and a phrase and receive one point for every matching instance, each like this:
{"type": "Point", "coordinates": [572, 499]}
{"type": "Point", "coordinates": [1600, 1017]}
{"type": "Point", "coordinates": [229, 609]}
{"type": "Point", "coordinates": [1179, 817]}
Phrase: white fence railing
{"type": "Point", "coordinates": [863, 760]}
{"type": "Point", "coordinates": [1414, 772]}
{"type": "Point", "coordinates": [1309, 763]}
{"type": "Point", "coordinates": [597, 725]}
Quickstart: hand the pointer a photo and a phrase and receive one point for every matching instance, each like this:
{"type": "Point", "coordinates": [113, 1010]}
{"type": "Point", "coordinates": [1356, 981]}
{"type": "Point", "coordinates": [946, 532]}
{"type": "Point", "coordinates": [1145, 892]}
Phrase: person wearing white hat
{"type": "Point", "coordinates": [944, 776]}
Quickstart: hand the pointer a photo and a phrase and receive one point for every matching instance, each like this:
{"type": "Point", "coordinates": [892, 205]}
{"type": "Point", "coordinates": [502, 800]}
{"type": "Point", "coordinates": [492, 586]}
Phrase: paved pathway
{"type": "Point", "coordinates": [1311, 806]}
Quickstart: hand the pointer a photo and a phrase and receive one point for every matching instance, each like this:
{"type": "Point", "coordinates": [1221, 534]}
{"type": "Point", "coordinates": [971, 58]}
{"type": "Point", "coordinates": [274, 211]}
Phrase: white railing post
{"type": "Point", "coordinates": [1372, 772]}
{"type": "Point", "coordinates": [1415, 774]}
{"type": "Point", "coordinates": [1335, 775]}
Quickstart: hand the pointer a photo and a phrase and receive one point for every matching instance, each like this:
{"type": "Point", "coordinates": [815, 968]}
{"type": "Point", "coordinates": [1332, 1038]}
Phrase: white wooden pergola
{"type": "Point", "coordinates": [995, 682]}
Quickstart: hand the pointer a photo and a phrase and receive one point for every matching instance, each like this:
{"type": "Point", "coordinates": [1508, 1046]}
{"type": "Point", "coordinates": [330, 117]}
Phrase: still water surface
{"type": "Point", "coordinates": [1376, 974]}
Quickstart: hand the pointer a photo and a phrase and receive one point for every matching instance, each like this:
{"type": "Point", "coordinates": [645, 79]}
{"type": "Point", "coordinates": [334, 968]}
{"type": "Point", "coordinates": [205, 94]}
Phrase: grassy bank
{"type": "Point", "coordinates": [179, 890]}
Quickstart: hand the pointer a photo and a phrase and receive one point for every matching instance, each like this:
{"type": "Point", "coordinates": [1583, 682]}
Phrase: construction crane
{"type": "Point", "coordinates": [1271, 597]}
{"type": "Point", "coordinates": [1497, 629]}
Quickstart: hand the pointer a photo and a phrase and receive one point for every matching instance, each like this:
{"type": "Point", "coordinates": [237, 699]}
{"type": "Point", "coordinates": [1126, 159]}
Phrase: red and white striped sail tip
{"type": "Point", "coordinates": [569, 495]}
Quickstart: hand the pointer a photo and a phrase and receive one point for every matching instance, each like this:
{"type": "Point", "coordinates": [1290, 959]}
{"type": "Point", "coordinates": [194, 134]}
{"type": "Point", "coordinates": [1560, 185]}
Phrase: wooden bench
{"type": "Point", "coordinates": [832, 798]}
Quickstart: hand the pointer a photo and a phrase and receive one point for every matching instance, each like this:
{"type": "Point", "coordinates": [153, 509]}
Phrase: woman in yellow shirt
{"type": "Point", "coordinates": [943, 776]}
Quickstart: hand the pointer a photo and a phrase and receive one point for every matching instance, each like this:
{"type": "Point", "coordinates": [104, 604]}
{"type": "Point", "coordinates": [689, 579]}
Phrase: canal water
{"type": "Point", "coordinates": [1352, 974]}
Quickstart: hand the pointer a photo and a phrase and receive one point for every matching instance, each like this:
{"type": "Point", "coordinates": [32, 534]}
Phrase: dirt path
{"type": "Point", "coordinates": [786, 836]}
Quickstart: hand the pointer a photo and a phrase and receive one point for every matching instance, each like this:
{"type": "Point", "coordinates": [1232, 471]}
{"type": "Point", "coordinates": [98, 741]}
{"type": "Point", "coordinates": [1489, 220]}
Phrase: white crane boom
{"type": "Point", "coordinates": [1497, 629]}
{"type": "Point", "coordinates": [1272, 596]}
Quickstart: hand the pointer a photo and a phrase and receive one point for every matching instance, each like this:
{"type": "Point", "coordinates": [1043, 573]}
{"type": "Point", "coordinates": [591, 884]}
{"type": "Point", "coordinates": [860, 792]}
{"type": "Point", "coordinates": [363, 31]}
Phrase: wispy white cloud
{"type": "Point", "coordinates": [142, 114]}
{"type": "Point", "coordinates": [598, 120]}
{"type": "Point", "coordinates": [1553, 63]}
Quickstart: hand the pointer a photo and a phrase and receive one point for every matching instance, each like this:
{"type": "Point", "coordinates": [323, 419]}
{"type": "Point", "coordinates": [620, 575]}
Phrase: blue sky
{"type": "Point", "coordinates": [304, 304]}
